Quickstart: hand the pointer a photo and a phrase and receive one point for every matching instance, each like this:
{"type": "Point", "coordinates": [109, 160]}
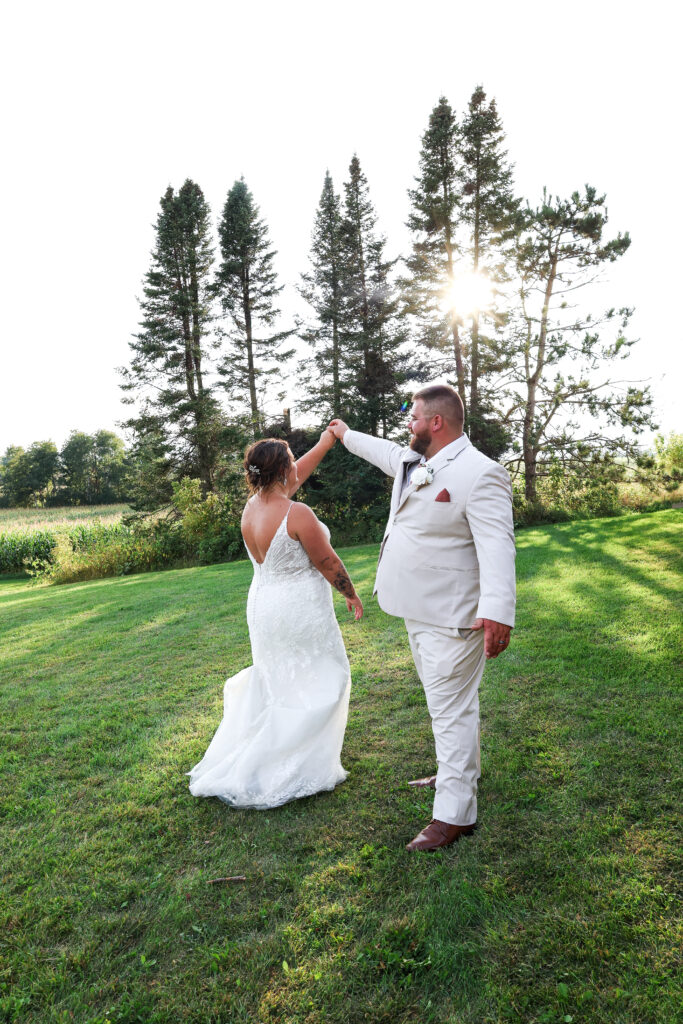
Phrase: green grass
{"type": "Point", "coordinates": [561, 907]}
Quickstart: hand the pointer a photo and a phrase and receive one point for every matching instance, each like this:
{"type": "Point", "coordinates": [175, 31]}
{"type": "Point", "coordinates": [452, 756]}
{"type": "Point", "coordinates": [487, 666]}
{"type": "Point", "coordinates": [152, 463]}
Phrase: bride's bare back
{"type": "Point", "coordinates": [260, 522]}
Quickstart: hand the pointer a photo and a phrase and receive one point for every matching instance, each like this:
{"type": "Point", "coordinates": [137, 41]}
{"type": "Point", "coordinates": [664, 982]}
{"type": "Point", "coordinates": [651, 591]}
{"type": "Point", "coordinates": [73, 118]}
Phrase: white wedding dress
{"type": "Point", "coordinates": [284, 716]}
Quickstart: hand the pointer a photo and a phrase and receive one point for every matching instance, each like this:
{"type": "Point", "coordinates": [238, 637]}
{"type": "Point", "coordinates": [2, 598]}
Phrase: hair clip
{"type": "Point", "coordinates": [254, 469]}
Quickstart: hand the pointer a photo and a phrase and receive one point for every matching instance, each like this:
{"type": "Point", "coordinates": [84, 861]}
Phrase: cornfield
{"type": "Point", "coordinates": [28, 536]}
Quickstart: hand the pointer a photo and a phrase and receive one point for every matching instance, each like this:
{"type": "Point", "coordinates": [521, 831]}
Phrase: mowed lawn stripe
{"type": "Point", "coordinates": [561, 906]}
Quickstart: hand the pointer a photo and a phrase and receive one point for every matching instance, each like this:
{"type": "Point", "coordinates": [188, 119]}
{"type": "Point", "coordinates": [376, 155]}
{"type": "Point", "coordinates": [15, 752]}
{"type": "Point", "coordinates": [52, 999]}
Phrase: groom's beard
{"type": "Point", "coordinates": [420, 443]}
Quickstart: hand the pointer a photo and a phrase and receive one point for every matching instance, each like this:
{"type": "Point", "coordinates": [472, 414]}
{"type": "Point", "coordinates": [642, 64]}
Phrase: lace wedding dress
{"type": "Point", "coordinates": [284, 716]}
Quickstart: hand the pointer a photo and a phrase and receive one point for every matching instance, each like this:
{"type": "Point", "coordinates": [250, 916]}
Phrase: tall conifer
{"type": "Point", "coordinates": [372, 334]}
{"type": "Point", "coordinates": [322, 287]}
{"type": "Point", "coordinates": [435, 251]}
{"type": "Point", "coordinates": [487, 206]}
{"type": "Point", "coordinates": [246, 283]}
{"type": "Point", "coordinates": [167, 369]}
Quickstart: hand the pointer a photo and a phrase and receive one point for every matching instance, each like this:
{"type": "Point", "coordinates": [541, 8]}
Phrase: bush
{"type": "Point", "coordinates": [669, 458]}
{"type": "Point", "coordinates": [209, 525]}
{"type": "Point", "coordinates": [563, 498]}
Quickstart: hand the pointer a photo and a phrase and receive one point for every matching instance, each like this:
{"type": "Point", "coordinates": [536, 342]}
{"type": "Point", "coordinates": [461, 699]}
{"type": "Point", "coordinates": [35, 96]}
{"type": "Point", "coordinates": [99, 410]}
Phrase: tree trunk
{"type": "Point", "coordinates": [529, 450]}
{"type": "Point", "coordinates": [251, 369]}
{"type": "Point", "coordinates": [474, 352]}
{"type": "Point", "coordinates": [457, 347]}
{"type": "Point", "coordinates": [365, 319]}
{"type": "Point", "coordinates": [336, 391]}
{"type": "Point", "coordinates": [529, 440]}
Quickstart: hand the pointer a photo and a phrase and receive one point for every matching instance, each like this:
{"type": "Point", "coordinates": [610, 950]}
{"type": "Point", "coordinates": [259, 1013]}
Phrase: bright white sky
{"type": "Point", "coordinates": [106, 105]}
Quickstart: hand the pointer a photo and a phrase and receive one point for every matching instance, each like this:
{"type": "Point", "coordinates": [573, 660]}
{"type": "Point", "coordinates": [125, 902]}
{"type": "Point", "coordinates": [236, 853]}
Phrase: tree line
{"type": "Point", "coordinates": [488, 297]}
{"type": "Point", "coordinates": [537, 373]}
{"type": "Point", "coordinates": [89, 469]}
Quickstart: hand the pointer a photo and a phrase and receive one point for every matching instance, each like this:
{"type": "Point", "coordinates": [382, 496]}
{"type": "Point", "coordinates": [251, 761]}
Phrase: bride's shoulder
{"type": "Point", "coordinates": [301, 517]}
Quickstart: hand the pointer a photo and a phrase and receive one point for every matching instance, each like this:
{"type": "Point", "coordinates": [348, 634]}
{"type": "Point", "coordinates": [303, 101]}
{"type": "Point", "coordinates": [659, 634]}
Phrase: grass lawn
{"type": "Point", "coordinates": [561, 907]}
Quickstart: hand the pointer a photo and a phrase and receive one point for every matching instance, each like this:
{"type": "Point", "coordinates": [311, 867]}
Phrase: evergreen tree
{"type": "Point", "coordinates": [557, 358]}
{"type": "Point", "coordinates": [246, 283]}
{"type": "Point", "coordinates": [373, 338]}
{"type": "Point", "coordinates": [326, 381]}
{"type": "Point", "coordinates": [435, 251]}
{"type": "Point", "coordinates": [487, 207]}
{"type": "Point", "coordinates": [168, 366]}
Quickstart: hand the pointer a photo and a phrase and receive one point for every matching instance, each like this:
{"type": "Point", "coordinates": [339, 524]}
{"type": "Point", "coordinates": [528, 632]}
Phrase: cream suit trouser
{"type": "Point", "coordinates": [450, 668]}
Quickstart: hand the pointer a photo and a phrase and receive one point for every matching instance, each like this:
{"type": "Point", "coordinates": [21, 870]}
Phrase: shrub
{"type": "Point", "coordinates": [209, 525]}
{"type": "Point", "coordinates": [565, 497]}
{"type": "Point", "coordinates": [669, 458]}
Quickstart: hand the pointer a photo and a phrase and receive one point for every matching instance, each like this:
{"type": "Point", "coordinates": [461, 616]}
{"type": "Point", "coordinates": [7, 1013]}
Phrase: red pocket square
{"type": "Point", "coordinates": [443, 496]}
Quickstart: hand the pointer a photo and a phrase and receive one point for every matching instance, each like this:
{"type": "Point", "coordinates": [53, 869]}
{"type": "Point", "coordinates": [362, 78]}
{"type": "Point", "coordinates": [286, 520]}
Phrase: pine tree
{"type": "Point", "coordinates": [557, 356]}
{"type": "Point", "coordinates": [246, 283]}
{"type": "Point", "coordinates": [167, 369]}
{"type": "Point", "coordinates": [487, 207]}
{"type": "Point", "coordinates": [434, 222]}
{"type": "Point", "coordinates": [371, 332]}
{"type": "Point", "coordinates": [326, 381]}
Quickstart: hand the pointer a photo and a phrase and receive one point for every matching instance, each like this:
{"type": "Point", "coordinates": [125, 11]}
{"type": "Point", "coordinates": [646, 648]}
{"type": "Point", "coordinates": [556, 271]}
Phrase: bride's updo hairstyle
{"type": "Point", "coordinates": [266, 463]}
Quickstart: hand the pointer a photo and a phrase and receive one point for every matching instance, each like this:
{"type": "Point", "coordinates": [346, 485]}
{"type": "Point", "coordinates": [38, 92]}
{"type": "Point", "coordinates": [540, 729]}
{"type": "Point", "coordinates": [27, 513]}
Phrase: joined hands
{"type": "Point", "coordinates": [338, 428]}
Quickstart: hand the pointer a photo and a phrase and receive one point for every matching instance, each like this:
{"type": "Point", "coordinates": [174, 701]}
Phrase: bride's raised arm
{"type": "Point", "coordinates": [312, 459]}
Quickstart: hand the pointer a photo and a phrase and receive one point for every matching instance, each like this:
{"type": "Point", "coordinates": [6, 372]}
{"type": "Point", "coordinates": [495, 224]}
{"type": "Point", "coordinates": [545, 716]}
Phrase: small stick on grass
{"type": "Point", "coordinates": [228, 878]}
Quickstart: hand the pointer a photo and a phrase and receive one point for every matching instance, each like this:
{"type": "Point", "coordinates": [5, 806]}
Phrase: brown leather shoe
{"type": "Point", "coordinates": [429, 782]}
{"type": "Point", "coordinates": [439, 833]}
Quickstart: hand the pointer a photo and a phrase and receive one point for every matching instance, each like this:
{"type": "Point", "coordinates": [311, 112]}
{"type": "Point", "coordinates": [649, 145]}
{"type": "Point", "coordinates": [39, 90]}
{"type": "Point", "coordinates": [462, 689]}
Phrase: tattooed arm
{"type": "Point", "coordinates": [304, 526]}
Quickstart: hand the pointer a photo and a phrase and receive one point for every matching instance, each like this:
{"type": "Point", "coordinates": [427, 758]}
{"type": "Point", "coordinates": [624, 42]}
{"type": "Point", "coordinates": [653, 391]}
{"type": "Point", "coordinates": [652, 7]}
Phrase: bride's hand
{"type": "Point", "coordinates": [356, 604]}
{"type": "Point", "coordinates": [328, 439]}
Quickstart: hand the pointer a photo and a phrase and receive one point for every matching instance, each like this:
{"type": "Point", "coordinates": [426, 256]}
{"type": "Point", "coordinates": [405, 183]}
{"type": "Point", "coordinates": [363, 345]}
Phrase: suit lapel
{"type": "Point", "coordinates": [441, 459]}
{"type": "Point", "coordinates": [400, 492]}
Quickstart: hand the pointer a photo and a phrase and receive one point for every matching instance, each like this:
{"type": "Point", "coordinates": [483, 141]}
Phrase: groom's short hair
{"type": "Point", "coordinates": [445, 400]}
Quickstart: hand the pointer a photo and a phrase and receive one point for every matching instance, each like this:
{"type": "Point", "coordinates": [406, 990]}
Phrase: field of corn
{"type": "Point", "coordinates": [28, 535]}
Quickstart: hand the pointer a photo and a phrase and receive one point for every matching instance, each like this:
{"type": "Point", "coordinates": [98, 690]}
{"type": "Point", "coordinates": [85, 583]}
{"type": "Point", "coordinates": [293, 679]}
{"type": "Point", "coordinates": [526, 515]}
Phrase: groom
{"type": "Point", "coordinates": [446, 566]}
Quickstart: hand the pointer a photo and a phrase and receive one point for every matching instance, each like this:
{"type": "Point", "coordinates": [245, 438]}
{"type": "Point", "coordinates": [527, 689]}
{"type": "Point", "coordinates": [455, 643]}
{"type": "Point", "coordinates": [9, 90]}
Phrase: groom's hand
{"type": "Point", "coordinates": [338, 428]}
{"type": "Point", "coordinates": [496, 636]}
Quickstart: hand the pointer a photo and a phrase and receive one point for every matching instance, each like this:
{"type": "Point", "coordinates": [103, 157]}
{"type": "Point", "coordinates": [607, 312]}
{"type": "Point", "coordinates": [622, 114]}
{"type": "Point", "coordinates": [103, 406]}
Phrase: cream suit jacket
{"type": "Point", "coordinates": [446, 563]}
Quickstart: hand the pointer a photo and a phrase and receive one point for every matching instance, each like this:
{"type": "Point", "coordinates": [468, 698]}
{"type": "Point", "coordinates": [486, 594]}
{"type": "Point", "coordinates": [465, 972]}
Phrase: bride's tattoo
{"type": "Point", "coordinates": [340, 580]}
{"type": "Point", "coordinates": [343, 584]}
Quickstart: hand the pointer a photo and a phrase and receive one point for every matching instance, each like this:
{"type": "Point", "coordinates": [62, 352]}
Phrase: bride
{"type": "Point", "coordinates": [285, 715]}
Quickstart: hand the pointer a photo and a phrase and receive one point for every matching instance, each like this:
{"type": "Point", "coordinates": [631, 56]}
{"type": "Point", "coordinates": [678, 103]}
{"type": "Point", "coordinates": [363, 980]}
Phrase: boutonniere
{"type": "Point", "coordinates": [422, 475]}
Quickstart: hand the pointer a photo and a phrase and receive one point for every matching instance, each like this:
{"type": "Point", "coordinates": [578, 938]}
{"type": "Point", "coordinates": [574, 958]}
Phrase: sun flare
{"type": "Point", "coordinates": [469, 294]}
